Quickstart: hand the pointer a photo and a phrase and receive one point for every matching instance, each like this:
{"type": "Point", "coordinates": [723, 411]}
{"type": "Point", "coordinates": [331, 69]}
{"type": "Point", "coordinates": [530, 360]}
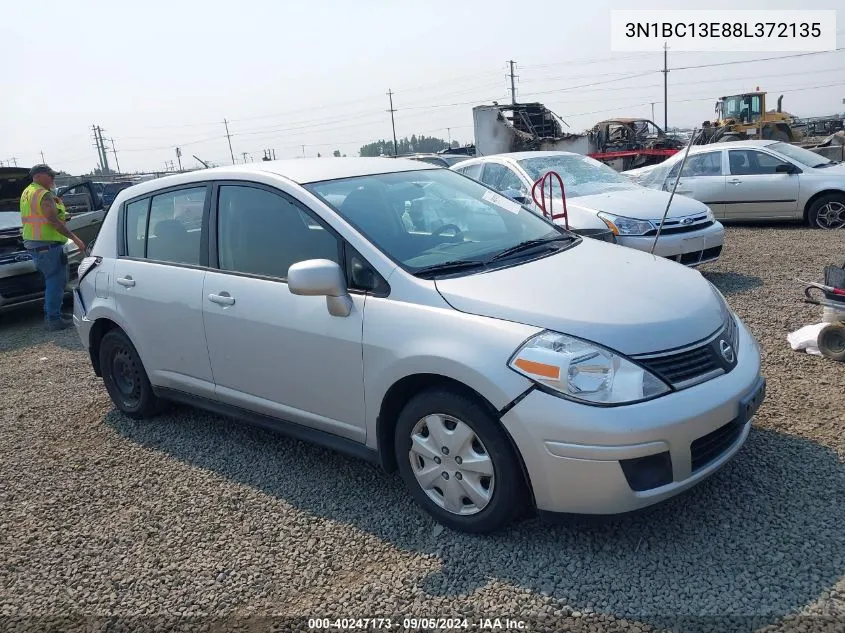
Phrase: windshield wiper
{"type": "Point", "coordinates": [529, 244]}
{"type": "Point", "coordinates": [821, 165]}
{"type": "Point", "coordinates": [454, 266]}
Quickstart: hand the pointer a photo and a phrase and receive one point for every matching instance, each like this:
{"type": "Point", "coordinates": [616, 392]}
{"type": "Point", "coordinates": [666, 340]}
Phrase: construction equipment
{"type": "Point", "coordinates": [744, 116]}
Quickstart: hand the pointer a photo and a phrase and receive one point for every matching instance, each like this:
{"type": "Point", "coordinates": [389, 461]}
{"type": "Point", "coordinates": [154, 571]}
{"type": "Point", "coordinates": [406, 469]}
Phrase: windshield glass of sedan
{"type": "Point", "coordinates": [582, 175]}
{"type": "Point", "coordinates": [799, 154]}
{"type": "Point", "coordinates": [433, 216]}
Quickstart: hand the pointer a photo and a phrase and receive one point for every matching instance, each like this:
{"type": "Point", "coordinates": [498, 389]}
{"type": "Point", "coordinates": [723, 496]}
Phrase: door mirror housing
{"type": "Point", "coordinates": [321, 278]}
{"type": "Point", "coordinates": [517, 196]}
{"type": "Point", "coordinates": [788, 168]}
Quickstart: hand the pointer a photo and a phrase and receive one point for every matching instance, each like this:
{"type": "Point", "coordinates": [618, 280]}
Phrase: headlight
{"type": "Point", "coordinates": [583, 371]}
{"type": "Point", "coordinates": [625, 226]}
{"type": "Point", "coordinates": [709, 215]}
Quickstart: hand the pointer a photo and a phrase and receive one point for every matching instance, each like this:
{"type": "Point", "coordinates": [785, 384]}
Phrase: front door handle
{"type": "Point", "coordinates": [223, 299]}
{"type": "Point", "coordinates": [126, 281]}
{"type": "Point", "coordinates": [735, 181]}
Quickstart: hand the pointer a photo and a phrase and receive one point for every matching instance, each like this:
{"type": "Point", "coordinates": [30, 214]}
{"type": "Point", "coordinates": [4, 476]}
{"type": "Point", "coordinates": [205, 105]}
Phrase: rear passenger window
{"type": "Point", "coordinates": [263, 233]}
{"type": "Point", "coordinates": [136, 227]}
{"type": "Point", "coordinates": [175, 226]}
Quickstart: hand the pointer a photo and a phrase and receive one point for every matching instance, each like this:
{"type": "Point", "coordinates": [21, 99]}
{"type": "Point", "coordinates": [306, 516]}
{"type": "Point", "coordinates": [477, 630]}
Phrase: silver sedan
{"type": "Point", "coordinates": [756, 180]}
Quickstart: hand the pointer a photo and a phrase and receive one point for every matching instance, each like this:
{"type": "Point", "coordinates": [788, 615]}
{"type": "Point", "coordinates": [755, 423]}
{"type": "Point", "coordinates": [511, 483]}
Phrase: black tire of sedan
{"type": "Point", "coordinates": [125, 377]}
{"type": "Point", "coordinates": [828, 212]}
{"type": "Point", "coordinates": [458, 463]}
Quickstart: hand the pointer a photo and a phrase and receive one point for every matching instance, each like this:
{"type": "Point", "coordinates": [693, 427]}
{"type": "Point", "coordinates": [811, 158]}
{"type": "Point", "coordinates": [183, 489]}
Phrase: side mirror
{"type": "Point", "coordinates": [788, 168]}
{"type": "Point", "coordinates": [516, 196]}
{"type": "Point", "coordinates": [321, 277]}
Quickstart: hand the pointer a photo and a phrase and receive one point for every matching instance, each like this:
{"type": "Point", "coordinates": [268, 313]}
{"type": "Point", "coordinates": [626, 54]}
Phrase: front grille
{"type": "Point", "coordinates": [708, 448]}
{"type": "Point", "coordinates": [21, 285]}
{"type": "Point", "coordinates": [670, 227]}
{"type": "Point", "coordinates": [683, 366]}
{"type": "Point", "coordinates": [690, 366]}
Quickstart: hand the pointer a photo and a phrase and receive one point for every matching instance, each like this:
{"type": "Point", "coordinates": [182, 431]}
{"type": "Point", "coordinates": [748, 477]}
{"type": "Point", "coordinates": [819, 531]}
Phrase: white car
{"type": "Point", "coordinates": [597, 197]}
{"type": "Point", "coordinates": [756, 180]}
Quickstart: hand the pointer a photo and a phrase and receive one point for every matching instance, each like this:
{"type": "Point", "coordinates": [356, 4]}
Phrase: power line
{"type": "Point", "coordinates": [759, 59]}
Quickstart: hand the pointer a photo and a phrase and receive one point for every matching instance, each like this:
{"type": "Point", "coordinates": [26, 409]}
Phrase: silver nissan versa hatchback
{"type": "Point", "coordinates": [502, 364]}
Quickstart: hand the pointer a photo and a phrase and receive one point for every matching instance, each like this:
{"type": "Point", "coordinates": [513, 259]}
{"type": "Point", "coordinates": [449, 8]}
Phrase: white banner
{"type": "Point", "coordinates": [723, 30]}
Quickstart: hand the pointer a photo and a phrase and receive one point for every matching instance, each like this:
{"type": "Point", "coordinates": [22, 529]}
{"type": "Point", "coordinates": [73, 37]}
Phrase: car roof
{"type": "Point", "coordinates": [730, 145]}
{"type": "Point", "coordinates": [299, 170]}
{"type": "Point", "coordinates": [513, 156]}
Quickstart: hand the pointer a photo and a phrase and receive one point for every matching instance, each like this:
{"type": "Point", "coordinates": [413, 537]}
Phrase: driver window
{"type": "Point", "coordinates": [501, 178]}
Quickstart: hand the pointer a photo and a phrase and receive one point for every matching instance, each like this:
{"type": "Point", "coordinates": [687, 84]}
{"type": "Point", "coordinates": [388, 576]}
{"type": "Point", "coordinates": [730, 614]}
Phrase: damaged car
{"type": "Point", "coordinates": [597, 197]}
{"type": "Point", "coordinates": [20, 281]}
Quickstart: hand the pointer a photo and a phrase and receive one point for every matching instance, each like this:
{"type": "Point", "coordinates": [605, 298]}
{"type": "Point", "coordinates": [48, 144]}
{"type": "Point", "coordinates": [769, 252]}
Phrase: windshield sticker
{"type": "Point", "coordinates": [501, 201]}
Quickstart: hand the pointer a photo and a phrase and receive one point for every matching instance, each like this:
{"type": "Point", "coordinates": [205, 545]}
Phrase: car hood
{"type": "Point", "coordinates": [10, 220]}
{"type": "Point", "coordinates": [640, 204]}
{"type": "Point", "coordinates": [619, 297]}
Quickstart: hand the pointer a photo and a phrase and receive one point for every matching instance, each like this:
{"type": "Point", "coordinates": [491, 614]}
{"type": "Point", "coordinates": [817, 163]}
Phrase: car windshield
{"type": "Point", "coordinates": [581, 175]}
{"type": "Point", "coordinates": [801, 155]}
{"type": "Point", "coordinates": [435, 217]}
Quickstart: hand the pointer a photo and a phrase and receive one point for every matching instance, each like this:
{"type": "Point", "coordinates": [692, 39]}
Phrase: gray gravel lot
{"type": "Point", "coordinates": [195, 515]}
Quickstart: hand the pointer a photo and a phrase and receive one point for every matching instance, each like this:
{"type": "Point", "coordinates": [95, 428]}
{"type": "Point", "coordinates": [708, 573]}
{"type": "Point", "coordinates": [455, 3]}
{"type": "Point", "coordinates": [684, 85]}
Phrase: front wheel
{"type": "Point", "coordinates": [458, 463]}
{"type": "Point", "coordinates": [828, 212]}
{"type": "Point", "coordinates": [125, 377]}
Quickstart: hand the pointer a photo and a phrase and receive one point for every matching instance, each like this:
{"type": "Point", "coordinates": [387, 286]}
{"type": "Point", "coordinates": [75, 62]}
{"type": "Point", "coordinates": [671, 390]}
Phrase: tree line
{"type": "Point", "coordinates": [414, 144]}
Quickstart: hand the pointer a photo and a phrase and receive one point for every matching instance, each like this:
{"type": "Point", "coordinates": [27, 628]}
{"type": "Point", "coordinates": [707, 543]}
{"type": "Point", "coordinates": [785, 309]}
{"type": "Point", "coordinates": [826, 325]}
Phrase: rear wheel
{"type": "Point", "coordinates": [125, 377]}
{"type": "Point", "coordinates": [828, 212]}
{"type": "Point", "coordinates": [458, 463]}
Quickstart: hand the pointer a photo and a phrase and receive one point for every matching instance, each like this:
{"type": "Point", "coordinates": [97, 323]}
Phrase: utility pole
{"type": "Point", "coordinates": [513, 87]}
{"type": "Point", "coordinates": [14, 161]}
{"type": "Point", "coordinates": [114, 151]}
{"type": "Point", "coordinates": [179, 157]}
{"type": "Point", "coordinates": [101, 148]}
{"type": "Point", "coordinates": [229, 138]}
{"type": "Point", "coordinates": [392, 121]}
{"type": "Point", "coordinates": [666, 87]}
{"type": "Point", "coordinates": [449, 132]}
{"type": "Point", "coordinates": [303, 150]}
{"type": "Point", "coordinates": [244, 155]}
{"type": "Point", "coordinates": [652, 110]}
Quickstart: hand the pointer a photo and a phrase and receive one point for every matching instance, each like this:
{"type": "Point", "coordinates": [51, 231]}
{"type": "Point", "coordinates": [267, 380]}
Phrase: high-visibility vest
{"type": "Point", "coordinates": [35, 225]}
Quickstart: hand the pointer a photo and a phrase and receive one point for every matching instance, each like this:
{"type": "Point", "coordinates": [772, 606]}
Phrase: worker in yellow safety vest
{"type": "Point", "coordinates": [44, 236]}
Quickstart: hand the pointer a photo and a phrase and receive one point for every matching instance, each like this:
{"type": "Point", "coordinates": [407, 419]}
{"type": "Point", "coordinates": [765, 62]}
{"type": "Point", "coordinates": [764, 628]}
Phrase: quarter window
{"type": "Point", "coordinates": [136, 227]}
{"type": "Point", "coordinates": [263, 233]}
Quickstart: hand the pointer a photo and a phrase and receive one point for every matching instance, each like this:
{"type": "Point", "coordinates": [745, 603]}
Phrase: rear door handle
{"type": "Point", "coordinates": [126, 281]}
{"type": "Point", "coordinates": [223, 299]}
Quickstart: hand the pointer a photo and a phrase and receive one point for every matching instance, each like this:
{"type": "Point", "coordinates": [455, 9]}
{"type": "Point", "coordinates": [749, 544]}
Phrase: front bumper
{"type": "Point", "coordinates": [21, 283]}
{"type": "Point", "coordinates": [583, 459]}
{"type": "Point", "coordinates": [692, 248]}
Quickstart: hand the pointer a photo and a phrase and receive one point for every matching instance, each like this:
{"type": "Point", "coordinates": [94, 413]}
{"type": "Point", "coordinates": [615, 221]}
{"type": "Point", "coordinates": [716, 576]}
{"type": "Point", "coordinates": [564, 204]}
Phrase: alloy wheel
{"type": "Point", "coordinates": [831, 215]}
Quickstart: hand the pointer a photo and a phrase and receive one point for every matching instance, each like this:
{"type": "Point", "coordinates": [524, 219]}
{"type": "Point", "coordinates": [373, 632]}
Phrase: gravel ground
{"type": "Point", "coordinates": [197, 522]}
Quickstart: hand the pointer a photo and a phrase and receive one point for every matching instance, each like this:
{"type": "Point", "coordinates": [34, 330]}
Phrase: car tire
{"type": "Point", "coordinates": [823, 212]}
{"type": "Point", "coordinates": [125, 377]}
{"type": "Point", "coordinates": [471, 443]}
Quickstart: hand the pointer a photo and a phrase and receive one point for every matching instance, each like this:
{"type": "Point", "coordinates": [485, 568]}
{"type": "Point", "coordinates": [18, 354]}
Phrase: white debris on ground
{"type": "Point", "coordinates": [806, 338]}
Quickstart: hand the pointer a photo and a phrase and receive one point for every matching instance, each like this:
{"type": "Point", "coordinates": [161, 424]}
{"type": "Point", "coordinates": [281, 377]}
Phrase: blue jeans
{"type": "Point", "coordinates": [52, 263]}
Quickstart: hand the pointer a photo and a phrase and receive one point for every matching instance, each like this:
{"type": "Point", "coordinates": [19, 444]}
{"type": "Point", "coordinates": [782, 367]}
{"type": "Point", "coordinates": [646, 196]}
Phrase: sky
{"type": "Point", "coordinates": [310, 77]}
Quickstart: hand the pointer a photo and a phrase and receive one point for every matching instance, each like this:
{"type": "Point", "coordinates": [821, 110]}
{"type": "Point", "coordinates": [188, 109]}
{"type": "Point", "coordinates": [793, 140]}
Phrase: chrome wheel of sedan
{"type": "Point", "coordinates": [451, 464]}
{"type": "Point", "coordinates": [831, 215]}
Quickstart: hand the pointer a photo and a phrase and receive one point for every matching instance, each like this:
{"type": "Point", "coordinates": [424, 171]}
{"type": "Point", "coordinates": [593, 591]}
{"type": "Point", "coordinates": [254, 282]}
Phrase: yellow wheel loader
{"type": "Point", "coordinates": [744, 116]}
